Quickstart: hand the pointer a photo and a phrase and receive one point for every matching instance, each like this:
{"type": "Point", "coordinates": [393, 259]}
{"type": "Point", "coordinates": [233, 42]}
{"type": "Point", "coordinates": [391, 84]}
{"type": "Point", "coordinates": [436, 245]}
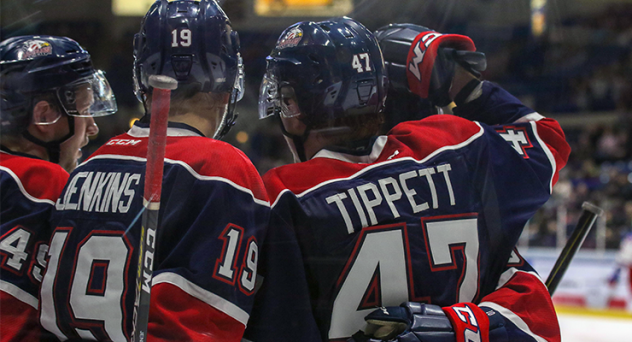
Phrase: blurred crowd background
{"type": "Point", "coordinates": [567, 59]}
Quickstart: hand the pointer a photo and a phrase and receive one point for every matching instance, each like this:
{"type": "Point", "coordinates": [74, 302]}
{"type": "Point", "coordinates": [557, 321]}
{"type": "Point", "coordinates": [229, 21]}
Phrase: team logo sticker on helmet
{"type": "Point", "coordinates": [35, 48]}
{"type": "Point", "coordinates": [291, 39]}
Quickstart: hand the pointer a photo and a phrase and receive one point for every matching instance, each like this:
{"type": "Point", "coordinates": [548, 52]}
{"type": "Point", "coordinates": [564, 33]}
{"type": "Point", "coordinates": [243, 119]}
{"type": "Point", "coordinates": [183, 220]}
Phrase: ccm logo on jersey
{"type": "Point", "coordinates": [518, 138]}
{"type": "Point", "coordinates": [420, 51]}
{"type": "Point", "coordinates": [125, 142]}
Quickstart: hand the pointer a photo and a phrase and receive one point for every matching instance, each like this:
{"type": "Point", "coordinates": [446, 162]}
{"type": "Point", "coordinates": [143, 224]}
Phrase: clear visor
{"type": "Point", "coordinates": [239, 80]}
{"type": "Point", "coordinates": [89, 96]}
{"type": "Point", "coordinates": [269, 102]}
{"type": "Point", "coordinates": [276, 99]}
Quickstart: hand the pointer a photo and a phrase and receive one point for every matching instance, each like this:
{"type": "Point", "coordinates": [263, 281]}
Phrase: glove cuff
{"type": "Point", "coordinates": [422, 54]}
{"type": "Point", "coordinates": [468, 321]}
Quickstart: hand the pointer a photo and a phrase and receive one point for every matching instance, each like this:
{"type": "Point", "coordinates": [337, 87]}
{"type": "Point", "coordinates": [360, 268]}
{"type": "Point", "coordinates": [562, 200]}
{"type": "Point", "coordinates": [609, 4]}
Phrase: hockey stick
{"type": "Point", "coordinates": [589, 215]}
{"type": "Point", "coordinates": [160, 102]}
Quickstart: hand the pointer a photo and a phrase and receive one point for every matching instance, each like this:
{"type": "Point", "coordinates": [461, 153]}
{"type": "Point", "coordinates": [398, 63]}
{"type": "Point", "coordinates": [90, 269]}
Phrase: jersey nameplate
{"type": "Point", "coordinates": [391, 190]}
{"type": "Point", "coordinates": [99, 192]}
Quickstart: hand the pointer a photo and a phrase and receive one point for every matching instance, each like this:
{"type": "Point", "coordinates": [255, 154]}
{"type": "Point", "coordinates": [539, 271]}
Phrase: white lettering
{"type": "Point", "coordinates": [358, 206]}
{"type": "Point", "coordinates": [345, 215]}
{"type": "Point", "coordinates": [433, 191]}
{"type": "Point", "coordinates": [129, 193]}
{"type": "Point", "coordinates": [370, 204]}
{"type": "Point", "coordinates": [390, 190]}
{"type": "Point", "coordinates": [445, 168]}
{"type": "Point", "coordinates": [124, 142]}
{"type": "Point", "coordinates": [100, 191]}
{"type": "Point", "coordinates": [411, 192]}
{"type": "Point", "coordinates": [390, 198]}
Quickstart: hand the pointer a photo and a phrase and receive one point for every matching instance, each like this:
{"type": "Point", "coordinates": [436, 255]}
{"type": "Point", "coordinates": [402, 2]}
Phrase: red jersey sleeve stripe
{"type": "Point", "coordinates": [18, 293]}
{"type": "Point", "coordinates": [177, 316]}
{"type": "Point", "coordinates": [551, 138]}
{"type": "Point", "coordinates": [524, 301]}
{"type": "Point", "coordinates": [47, 197]}
{"type": "Point", "coordinates": [203, 295]}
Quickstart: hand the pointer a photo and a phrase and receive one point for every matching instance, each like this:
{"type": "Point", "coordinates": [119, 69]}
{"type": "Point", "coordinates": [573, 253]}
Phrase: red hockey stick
{"type": "Point", "coordinates": [160, 102]}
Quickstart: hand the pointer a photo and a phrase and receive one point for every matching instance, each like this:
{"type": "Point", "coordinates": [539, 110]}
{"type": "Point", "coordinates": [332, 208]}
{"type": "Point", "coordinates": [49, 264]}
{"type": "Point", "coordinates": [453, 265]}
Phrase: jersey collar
{"type": "Point", "coordinates": [8, 151]}
{"type": "Point", "coordinates": [174, 129]}
{"type": "Point", "coordinates": [368, 157]}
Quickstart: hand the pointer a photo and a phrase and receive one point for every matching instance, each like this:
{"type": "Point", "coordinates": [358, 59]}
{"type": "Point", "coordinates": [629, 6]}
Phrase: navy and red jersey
{"type": "Point", "coordinates": [430, 213]}
{"type": "Point", "coordinates": [29, 188]}
{"type": "Point", "coordinates": [213, 214]}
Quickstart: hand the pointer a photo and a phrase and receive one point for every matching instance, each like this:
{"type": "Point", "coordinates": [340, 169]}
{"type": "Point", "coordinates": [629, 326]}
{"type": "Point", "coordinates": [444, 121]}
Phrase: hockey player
{"type": "Point", "coordinates": [213, 212]}
{"type": "Point", "coordinates": [49, 92]}
{"type": "Point", "coordinates": [428, 213]}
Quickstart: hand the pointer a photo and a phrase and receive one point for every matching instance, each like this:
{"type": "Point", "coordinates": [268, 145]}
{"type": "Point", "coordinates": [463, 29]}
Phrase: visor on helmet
{"type": "Point", "coordinates": [239, 79]}
{"type": "Point", "coordinates": [88, 96]}
{"type": "Point", "coordinates": [277, 98]}
{"type": "Point", "coordinates": [269, 100]}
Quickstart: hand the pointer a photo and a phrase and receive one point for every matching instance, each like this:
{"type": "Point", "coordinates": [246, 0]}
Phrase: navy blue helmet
{"type": "Point", "coordinates": [334, 69]}
{"type": "Point", "coordinates": [57, 69]}
{"type": "Point", "coordinates": [193, 42]}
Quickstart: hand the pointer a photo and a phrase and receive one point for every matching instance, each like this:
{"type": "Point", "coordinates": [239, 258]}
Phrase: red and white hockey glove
{"type": "Point", "coordinates": [431, 62]}
{"type": "Point", "coordinates": [418, 322]}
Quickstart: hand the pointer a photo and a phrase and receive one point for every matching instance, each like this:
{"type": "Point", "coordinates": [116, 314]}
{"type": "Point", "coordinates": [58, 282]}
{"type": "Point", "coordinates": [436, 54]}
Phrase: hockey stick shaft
{"type": "Point", "coordinates": [587, 219]}
{"type": "Point", "coordinates": [161, 98]}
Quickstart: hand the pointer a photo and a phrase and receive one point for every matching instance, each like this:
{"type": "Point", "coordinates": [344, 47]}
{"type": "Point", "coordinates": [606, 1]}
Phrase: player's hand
{"type": "Point", "coordinates": [417, 322]}
{"type": "Point", "coordinates": [431, 61]}
{"type": "Point", "coordinates": [409, 322]}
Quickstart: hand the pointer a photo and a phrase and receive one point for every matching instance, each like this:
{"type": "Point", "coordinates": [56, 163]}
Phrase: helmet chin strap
{"type": "Point", "coordinates": [53, 147]}
{"type": "Point", "coordinates": [298, 140]}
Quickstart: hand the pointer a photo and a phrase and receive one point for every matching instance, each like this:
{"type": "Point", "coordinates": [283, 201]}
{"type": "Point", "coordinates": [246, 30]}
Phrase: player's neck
{"type": "Point", "coordinates": [206, 125]}
{"type": "Point", "coordinates": [21, 145]}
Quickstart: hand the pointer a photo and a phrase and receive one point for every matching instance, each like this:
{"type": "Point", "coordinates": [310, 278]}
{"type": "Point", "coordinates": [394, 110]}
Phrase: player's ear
{"type": "Point", "coordinates": [45, 114]}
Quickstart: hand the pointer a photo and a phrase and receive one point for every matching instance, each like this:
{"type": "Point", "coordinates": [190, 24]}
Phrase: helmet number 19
{"type": "Point", "coordinates": [358, 65]}
{"type": "Point", "coordinates": [182, 39]}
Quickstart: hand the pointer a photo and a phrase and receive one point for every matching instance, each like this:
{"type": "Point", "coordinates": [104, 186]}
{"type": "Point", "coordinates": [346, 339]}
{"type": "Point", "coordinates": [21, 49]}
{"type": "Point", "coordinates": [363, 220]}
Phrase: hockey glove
{"type": "Point", "coordinates": [416, 322]}
{"type": "Point", "coordinates": [409, 322]}
{"type": "Point", "coordinates": [431, 61]}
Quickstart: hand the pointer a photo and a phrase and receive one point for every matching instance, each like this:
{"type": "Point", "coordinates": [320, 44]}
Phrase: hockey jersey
{"type": "Point", "coordinates": [214, 211]}
{"type": "Point", "coordinates": [430, 214]}
{"type": "Point", "coordinates": [28, 187]}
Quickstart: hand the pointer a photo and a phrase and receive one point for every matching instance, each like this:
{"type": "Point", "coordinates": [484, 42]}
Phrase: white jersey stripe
{"type": "Point", "coordinates": [548, 153]}
{"type": "Point", "coordinates": [376, 150]}
{"type": "Point", "coordinates": [18, 293]}
{"type": "Point", "coordinates": [515, 319]}
{"type": "Point", "coordinates": [508, 274]}
{"type": "Point", "coordinates": [188, 168]}
{"type": "Point", "coordinates": [207, 297]}
{"type": "Point", "coordinates": [143, 132]}
{"type": "Point", "coordinates": [535, 116]}
{"type": "Point", "coordinates": [26, 194]}
{"type": "Point", "coordinates": [387, 162]}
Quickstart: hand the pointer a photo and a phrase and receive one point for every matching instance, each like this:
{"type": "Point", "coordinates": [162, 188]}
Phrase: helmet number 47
{"type": "Point", "coordinates": [358, 65]}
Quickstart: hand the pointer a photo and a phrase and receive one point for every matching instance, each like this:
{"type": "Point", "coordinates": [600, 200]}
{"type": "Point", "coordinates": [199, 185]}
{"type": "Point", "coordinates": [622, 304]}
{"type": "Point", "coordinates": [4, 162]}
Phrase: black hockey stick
{"type": "Point", "coordinates": [587, 219]}
{"type": "Point", "coordinates": [160, 103]}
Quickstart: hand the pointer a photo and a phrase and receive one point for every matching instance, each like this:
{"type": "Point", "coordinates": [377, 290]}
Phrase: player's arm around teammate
{"type": "Point", "coordinates": [49, 92]}
{"type": "Point", "coordinates": [436, 73]}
